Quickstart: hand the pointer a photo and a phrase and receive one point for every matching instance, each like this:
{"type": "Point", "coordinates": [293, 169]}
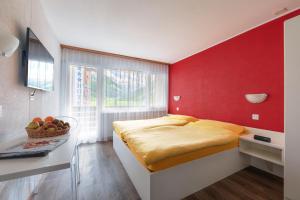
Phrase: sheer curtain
{"type": "Point", "coordinates": [99, 89]}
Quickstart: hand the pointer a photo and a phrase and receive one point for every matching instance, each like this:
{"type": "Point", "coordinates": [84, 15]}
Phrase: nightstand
{"type": "Point", "coordinates": [272, 152]}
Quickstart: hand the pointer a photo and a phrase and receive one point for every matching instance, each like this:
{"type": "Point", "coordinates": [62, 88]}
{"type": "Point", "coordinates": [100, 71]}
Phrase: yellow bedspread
{"type": "Point", "coordinates": [124, 128]}
{"type": "Point", "coordinates": [157, 147]}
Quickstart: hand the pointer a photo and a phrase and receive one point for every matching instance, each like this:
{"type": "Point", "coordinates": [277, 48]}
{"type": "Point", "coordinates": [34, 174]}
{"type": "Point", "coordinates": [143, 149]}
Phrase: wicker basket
{"type": "Point", "coordinates": [42, 133]}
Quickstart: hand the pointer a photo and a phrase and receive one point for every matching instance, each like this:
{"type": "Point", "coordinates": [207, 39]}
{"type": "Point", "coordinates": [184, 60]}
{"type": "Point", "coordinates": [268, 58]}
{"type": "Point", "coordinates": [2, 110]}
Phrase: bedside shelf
{"type": "Point", "coordinates": [272, 152]}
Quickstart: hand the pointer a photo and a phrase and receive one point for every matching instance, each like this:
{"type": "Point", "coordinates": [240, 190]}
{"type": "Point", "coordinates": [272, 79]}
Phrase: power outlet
{"type": "Point", "coordinates": [255, 116]}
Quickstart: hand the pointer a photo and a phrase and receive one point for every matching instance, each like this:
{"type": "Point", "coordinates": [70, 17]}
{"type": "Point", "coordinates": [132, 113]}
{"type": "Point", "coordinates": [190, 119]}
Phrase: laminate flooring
{"type": "Point", "coordinates": [104, 178]}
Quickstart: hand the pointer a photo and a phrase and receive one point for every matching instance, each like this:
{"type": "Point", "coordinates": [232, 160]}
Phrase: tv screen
{"type": "Point", "coordinates": [39, 64]}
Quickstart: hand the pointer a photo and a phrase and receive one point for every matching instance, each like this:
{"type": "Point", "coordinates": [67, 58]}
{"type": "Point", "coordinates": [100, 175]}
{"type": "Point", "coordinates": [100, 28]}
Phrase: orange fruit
{"type": "Point", "coordinates": [49, 119]}
{"type": "Point", "coordinates": [37, 119]}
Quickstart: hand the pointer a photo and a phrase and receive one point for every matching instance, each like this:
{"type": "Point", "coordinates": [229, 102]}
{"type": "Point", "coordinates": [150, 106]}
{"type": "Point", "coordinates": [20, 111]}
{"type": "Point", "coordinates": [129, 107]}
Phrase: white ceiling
{"type": "Point", "coordinates": [162, 30]}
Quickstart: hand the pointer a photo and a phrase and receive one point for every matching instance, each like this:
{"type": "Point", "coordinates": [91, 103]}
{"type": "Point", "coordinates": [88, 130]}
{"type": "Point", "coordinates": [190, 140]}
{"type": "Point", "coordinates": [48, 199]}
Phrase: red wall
{"type": "Point", "coordinates": [212, 83]}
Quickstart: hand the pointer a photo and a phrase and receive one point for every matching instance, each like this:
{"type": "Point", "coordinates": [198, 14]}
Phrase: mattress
{"type": "Point", "coordinates": [159, 148]}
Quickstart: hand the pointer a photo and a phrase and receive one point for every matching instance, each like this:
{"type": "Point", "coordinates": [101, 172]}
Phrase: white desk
{"type": "Point", "coordinates": [63, 157]}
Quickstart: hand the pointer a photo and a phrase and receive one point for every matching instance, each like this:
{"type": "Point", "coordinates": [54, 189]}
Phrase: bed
{"type": "Point", "coordinates": [173, 161]}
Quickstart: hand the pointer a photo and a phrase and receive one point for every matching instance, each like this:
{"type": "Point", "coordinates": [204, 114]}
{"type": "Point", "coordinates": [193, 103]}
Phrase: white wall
{"type": "Point", "coordinates": [15, 17]}
{"type": "Point", "coordinates": [292, 108]}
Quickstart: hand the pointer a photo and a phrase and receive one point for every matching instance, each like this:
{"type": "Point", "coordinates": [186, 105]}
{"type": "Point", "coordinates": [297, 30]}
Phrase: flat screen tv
{"type": "Point", "coordinates": [38, 63]}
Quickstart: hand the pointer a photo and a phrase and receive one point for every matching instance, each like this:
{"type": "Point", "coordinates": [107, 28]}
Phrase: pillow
{"type": "Point", "coordinates": [182, 117]}
{"type": "Point", "coordinates": [229, 126]}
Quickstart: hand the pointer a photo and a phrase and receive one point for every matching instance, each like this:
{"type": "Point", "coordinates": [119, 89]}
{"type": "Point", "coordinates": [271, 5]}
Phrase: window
{"type": "Point", "coordinates": [83, 96]}
{"type": "Point", "coordinates": [158, 91]}
{"type": "Point", "coordinates": [99, 89]}
{"type": "Point", "coordinates": [133, 89]}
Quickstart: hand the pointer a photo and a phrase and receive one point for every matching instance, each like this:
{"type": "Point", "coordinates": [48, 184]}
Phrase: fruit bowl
{"type": "Point", "coordinates": [50, 127]}
{"type": "Point", "coordinates": [42, 133]}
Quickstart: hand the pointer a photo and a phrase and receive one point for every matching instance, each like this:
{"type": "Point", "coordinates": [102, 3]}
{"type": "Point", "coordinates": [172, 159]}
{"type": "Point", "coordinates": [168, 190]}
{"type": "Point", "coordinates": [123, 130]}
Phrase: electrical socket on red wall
{"type": "Point", "coordinates": [255, 116]}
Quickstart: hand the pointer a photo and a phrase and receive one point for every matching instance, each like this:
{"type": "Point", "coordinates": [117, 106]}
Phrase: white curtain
{"type": "Point", "coordinates": [99, 89]}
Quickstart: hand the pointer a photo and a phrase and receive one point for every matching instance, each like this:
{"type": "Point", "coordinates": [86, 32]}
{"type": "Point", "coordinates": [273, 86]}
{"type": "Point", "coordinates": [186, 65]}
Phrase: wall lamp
{"type": "Point", "coordinates": [256, 98]}
{"type": "Point", "coordinates": [176, 98]}
{"type": "Point", "coordinates": [8, 43]}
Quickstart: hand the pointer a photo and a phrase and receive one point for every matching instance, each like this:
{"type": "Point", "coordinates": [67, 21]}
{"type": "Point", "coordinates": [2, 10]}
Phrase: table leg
{"type": "Point", "coordinates": [73, 179]}
{"type": "Point", "coordinates": [77, 164]}
{"type": "Point", "coordinates": [35, 190]}
{"type": "Point", "coordinates": [36, 186]}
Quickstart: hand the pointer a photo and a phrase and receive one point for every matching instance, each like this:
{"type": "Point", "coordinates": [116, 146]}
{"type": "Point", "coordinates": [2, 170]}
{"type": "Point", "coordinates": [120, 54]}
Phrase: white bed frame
{"type": "Point", "coordinates": [181, 180]}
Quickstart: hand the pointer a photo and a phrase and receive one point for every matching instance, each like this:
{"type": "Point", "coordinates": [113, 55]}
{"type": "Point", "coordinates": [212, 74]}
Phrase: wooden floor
{"type": "Point", "coordinates": [248, 184]}
{"type": "Point", "coordinates": [104, 178]}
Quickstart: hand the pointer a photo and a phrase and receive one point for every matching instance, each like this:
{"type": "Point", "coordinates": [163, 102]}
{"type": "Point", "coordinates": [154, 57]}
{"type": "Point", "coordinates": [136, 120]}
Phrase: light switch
{"type": "Point", "coordinates": [177, 108]}
{"type": "Point", "coordinates": [255, 116]}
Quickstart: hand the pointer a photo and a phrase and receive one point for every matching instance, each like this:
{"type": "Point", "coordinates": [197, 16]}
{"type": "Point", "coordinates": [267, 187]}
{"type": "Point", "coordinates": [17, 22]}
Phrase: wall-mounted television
{"type": "Point", "coordinates": [38, 63]}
